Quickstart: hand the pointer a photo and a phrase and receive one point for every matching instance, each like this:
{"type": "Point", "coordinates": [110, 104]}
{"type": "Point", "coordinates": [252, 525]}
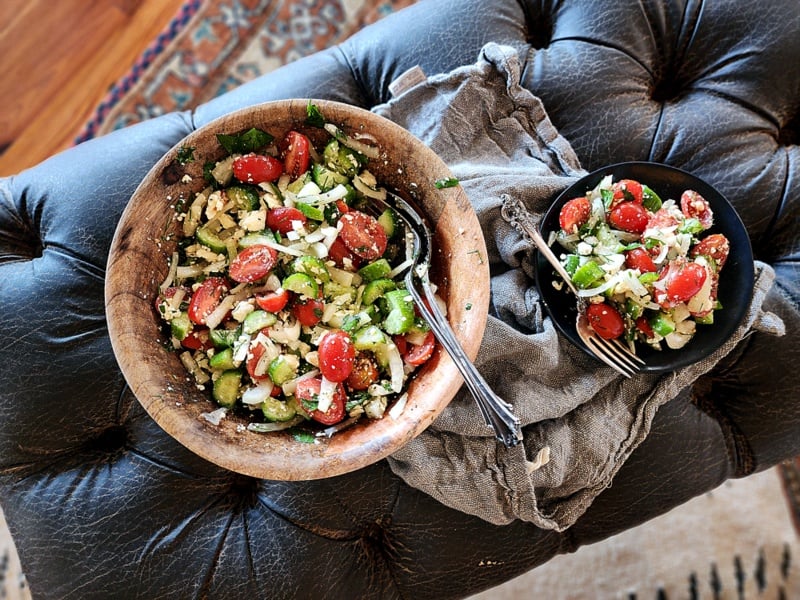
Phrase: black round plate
{"type": "Point", "coordinates": [736, 279]}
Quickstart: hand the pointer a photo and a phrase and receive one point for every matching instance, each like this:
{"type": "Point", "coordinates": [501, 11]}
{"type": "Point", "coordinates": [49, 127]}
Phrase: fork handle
{"type": "Point", "coordinates": [497, 413]}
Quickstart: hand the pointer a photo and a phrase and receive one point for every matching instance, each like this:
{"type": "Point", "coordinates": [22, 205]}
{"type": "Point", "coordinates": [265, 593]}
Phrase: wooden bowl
{"type": "Point", "coordinates": [148, 233]}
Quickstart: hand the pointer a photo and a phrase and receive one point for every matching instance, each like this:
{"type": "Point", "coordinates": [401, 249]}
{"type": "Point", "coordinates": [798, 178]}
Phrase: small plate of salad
{"type": "Point", "coordinates": [660, 256]}
{"type": "Point", "coordinates": [256, 301]}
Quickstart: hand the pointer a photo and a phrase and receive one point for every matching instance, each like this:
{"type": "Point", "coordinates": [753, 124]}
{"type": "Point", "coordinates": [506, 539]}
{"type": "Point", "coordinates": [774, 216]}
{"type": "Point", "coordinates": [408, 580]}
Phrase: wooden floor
{"type": "Point", "coordinates": [58, 59]}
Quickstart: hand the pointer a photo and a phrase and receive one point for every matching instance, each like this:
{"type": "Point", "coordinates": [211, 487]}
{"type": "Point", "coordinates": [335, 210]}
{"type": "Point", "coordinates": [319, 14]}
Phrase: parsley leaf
{"type": "Point", "coordinates": [242, 143]}
{"type": "Point", "coordinates": [445, 183]}
{"type": "Point", "coordinates": [185, 155]}
{"type": "Point", "coordinates": [314, 116]}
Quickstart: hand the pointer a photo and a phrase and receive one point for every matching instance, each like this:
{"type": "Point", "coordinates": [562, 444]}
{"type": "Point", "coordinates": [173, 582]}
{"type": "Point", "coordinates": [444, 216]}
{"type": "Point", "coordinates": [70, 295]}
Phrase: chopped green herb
{"type": "Point", "coordinates": [304, 437]}
{"type": "Point", "coordinates": [314, 117]}
{"type": "Point", "coordinates": [468, 306]}
{"type": "Point", "coordinates": [242, 143]}
{"type": "Point", "coordinates": [445, 183]}
{"type": "Point", "coordinates": [185, 155]}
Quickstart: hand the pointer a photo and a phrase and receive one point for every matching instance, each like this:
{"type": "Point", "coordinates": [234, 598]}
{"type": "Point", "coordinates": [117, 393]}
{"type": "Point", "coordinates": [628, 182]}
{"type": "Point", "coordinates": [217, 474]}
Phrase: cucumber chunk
{"type": "Point", "coordinates": [313, 266]}
{"type": "Point", "coordinates": [222, 360]}
{"type": "Point", "coordinates": [379, 269]}
{"type": "Point", "coordinates": [258, 320]}
{"type": "Point", "coordinates": [181, 326]}
{"type": "Point", "coordinates": [244, 198]}
{"type": "Point", "coordinates": [282, 368]}
{"type": "Point", "coordinates": [302, 284]}
{"type": "Point", "coordinates": [226, 388]}
{"type": "Point", "coordinates": [210, 239]}
{"type": "Point", "coordinates": [277, 410]}
{"type": "Point", "coordinates": [377, 289]}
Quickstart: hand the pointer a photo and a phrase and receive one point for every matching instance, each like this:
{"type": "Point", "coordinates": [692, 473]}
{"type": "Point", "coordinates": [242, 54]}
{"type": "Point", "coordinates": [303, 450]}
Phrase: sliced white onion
{"type": "Point", "coordinates": [326, 390]}
{"type": "Point", "coordinates": [398, 407]}
{"type": "Point", "coordinates": [589, 292]}
{"type": "Point", "coordinates": [173, 269]}
{"type": "Point", "coordinates": [351, 142]}
{"type": "Point", "coordinates": [369, 192]}
{"type": "Point", "coordinates": [256, 395]}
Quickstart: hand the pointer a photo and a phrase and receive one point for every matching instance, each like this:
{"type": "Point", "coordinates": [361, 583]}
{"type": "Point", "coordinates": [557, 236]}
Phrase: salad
{"type": "Point", "coordinates": [284, 297]}
{"type": "Point", "coordinates": [646, 267]}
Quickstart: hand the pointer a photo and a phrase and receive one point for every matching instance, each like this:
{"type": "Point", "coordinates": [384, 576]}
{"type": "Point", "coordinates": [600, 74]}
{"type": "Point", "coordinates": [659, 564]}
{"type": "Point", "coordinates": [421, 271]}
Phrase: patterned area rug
{"type": "Point", "coordinates": [214, 45]}
{"type": "Point", "coordinates": [739, 541]}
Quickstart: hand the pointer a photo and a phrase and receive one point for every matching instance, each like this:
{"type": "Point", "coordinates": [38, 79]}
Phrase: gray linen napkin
{"type": "Point", "coordinates": [581, 420]}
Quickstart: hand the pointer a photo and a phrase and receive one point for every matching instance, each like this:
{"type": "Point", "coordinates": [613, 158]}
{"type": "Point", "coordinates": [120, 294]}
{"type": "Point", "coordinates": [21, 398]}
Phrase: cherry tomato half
{"type": "Point", "coordinates": [627, 190]}
{"type": "Point", "coordinates": [307, 391]}
{"type": "Point", "coordinates": [281, 218]}
{"type": "Point", "coordinates": [252, 263]}
{"type": "Point", "coordinates": [308, 311]}
{"type": "Point", "coordinates": [693, 205]}
{"type": "Point", "coordinates": [643, 325]}
{"type": "Point", "coordinates": [605, 320]}
{"type": "Point", "coordinates": [342, 256]}
{"type": "Point", "coordinates": [574, 214]}
{"type": "Point", "coordinates": [365, 373]}
{"type": "Point", "coordinates": [629, 216]}
{"type": "Point", "coordinates": [684, 280]}
{"type": "Point", "coordinates": [197, 339]}
{"type": "Point", "coordinates": [417, 354]}
{"type": "Point", "coordinates": [715, 246]}
{"type": "Point", "coordinates": [257, 168]}
{"type": "Point", "coordinates": [273, 301]}
{"type": "Point", "coordinates": [638, 258]}
{"type": "Point", "coordinates": [336, 355]}
{"type": "Point", "coordinates": [363, 235]}
{"type": "Point", "coordinates": [206, 298]}
{"type": "Point", "coordinates": [297, 154]}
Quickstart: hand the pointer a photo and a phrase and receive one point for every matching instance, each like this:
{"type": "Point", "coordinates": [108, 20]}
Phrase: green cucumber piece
{"type": "Point", "coordinates": [376, 289]}
{"type": "Point", "coordinates": [332, 290]}
{"type": "Point", "coordinates": [277, 410]}
{"type": "Point", "coordinates": [401, 312]}
{"type": "Point", "coordinates": [302, 284]}
{"type": "Point", "coordinates": [224, 338]}
{"type": "Point", "coordinates": [379, 269]}
{"type": "Point", "coordinates": [389, 221]}
{"type": "Point", "coordinates": [244, 198]}
{"type": "Point", "coordinates": [210, 239]}
{"type": "Point", "coordinates": [222, 360]}
{"type": "Point", "coordinates": [315, 213]}
{"type": "Point", "coordinates": [282, 368]}
{"type": "Point", "coordinates": [262, 237]}
{"type": "Point", "coordinates": [326, 178]}
{"type": "Point", "coordinates": [662, 324]}
{"type": "Point", "coordinates": [368, 338]}
{"type": "Point", "coordinates": [587, 274]}
{"type": "Point", "coordinates": [226, 388]}
{"type": "Point", "coordinates": [313, 266]}
{"type": "Point", "coordinates": [258, 320]}
{"type": "Point", "coordinates": [180, 326]}
{"type": "Point", "coordinates": [342, 159]}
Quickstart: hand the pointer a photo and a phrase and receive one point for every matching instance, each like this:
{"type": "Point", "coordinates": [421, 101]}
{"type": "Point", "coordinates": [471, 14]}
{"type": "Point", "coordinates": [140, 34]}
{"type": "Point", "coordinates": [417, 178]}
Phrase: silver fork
{"type": "Point", "coordinates": [497, 413]}
{"type": "Point", "coordinates": [613, 353]}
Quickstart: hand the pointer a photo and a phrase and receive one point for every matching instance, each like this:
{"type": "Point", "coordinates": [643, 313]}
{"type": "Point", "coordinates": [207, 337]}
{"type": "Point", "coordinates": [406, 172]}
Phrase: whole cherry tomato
{"type": "Point", "coordinates": [257, 168]}
{"type": "Point", "coordinates": [363, 235]}
{"type": "Point", "coordinates": [297, 154]}
{"type": "Point", "coordinates": [252, 263]}
{"type": "Point", "coordinates": [574, 214]}
{"type": "Point", "coordinates": [605, 320]}
{"type": "Point", "coordinates": [307, 392]}
{"type": "Point", "coordinates": [336, 355]}
{"type": "Point", "coordinates": [629, 216]}
{"type": "Point", "coordinates": [206, 298]}
{"type": "Point", "coordinates": [638, 258]}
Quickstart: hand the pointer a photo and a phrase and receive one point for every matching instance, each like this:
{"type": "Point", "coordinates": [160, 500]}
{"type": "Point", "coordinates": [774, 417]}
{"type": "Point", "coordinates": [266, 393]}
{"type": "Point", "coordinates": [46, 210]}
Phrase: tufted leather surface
{"type": "Point", "coordinates": [102, 504]}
